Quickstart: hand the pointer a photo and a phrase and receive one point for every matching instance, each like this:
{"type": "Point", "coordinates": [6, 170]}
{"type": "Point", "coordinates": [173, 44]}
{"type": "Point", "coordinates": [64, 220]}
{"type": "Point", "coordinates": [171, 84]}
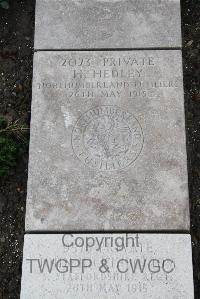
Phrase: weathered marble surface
{"type": "Point", "coordinates": [165, 273]}
{"type": "Point", "coordinates": [107, 148]}
{"type": "Point", "coordinates": [86, 24]}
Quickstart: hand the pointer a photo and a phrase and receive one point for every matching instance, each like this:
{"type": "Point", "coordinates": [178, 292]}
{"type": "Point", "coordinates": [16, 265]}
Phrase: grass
{"type": "Point", "coordinates": [12, 137]}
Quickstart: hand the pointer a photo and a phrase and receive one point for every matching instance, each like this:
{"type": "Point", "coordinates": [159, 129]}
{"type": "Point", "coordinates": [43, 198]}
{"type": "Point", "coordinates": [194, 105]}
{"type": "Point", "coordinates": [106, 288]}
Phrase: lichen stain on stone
{"type": "Point", "coordinates": [44, 209]}
{"type": "Point", "coordinates": [112, 196]}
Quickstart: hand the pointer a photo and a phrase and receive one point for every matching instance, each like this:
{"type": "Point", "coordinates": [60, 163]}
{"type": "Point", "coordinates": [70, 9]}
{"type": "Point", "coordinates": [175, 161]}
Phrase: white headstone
{"type": "Point", "coordinates": [107, 266]}
{"type": "Point", "coordinates": [107, 148]}
{"type": "Point", "coordinates": [86, 24]}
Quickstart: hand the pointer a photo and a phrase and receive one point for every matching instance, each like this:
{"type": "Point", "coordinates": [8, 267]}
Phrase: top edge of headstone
{"type": "Point", "coordinates": [103, 24]}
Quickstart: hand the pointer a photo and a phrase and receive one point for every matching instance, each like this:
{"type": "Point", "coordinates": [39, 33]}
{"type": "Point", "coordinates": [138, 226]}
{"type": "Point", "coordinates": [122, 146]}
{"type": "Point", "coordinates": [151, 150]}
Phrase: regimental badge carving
{"type": "Point", "coordinates": [107, 138]}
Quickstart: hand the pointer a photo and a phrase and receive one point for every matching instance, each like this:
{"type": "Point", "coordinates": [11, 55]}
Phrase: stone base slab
{"type": "Point", "coordinates": [107, 266]}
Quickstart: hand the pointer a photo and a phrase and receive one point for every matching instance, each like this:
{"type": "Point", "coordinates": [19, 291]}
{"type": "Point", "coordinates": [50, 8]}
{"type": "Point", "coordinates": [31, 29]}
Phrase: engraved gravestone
{"type": "Point", "coordinates": [107, 147]}
{"type": "Point", "coordinates": [87, 24]}
{"type": "Point", "coordinates": [107, 266]}
{"type": "Point", "coordinates": [107, 152]}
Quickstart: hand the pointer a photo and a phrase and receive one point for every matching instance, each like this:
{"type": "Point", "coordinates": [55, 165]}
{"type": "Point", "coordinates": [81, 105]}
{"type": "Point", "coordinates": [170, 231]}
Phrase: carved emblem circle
{"type": "Point", "coordinates": [107, 138]}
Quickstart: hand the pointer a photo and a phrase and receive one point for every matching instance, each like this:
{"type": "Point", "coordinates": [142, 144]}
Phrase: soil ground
{"type": "Point", "coordinates": [16, 54]}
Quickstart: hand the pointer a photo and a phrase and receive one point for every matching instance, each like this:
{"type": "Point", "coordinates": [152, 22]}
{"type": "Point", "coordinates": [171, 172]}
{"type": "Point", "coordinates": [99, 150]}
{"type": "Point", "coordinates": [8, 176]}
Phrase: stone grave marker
{"type": "Point", "coordinates": [107, 153]}
{"type": "Point", "coordinates": [87, 24]}
{"type": "Point", "coordinates": [107, 266]}
{"type": "Point", "coordinates": [107, 149]}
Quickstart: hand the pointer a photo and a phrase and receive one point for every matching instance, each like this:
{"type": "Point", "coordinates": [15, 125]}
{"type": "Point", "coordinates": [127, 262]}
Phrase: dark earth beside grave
{"type": "Point", "coordinates": [16, 53]}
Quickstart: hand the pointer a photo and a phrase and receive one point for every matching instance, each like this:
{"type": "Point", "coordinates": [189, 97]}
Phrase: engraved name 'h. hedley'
{"type": "Point", "coordinates": [131, 67]}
